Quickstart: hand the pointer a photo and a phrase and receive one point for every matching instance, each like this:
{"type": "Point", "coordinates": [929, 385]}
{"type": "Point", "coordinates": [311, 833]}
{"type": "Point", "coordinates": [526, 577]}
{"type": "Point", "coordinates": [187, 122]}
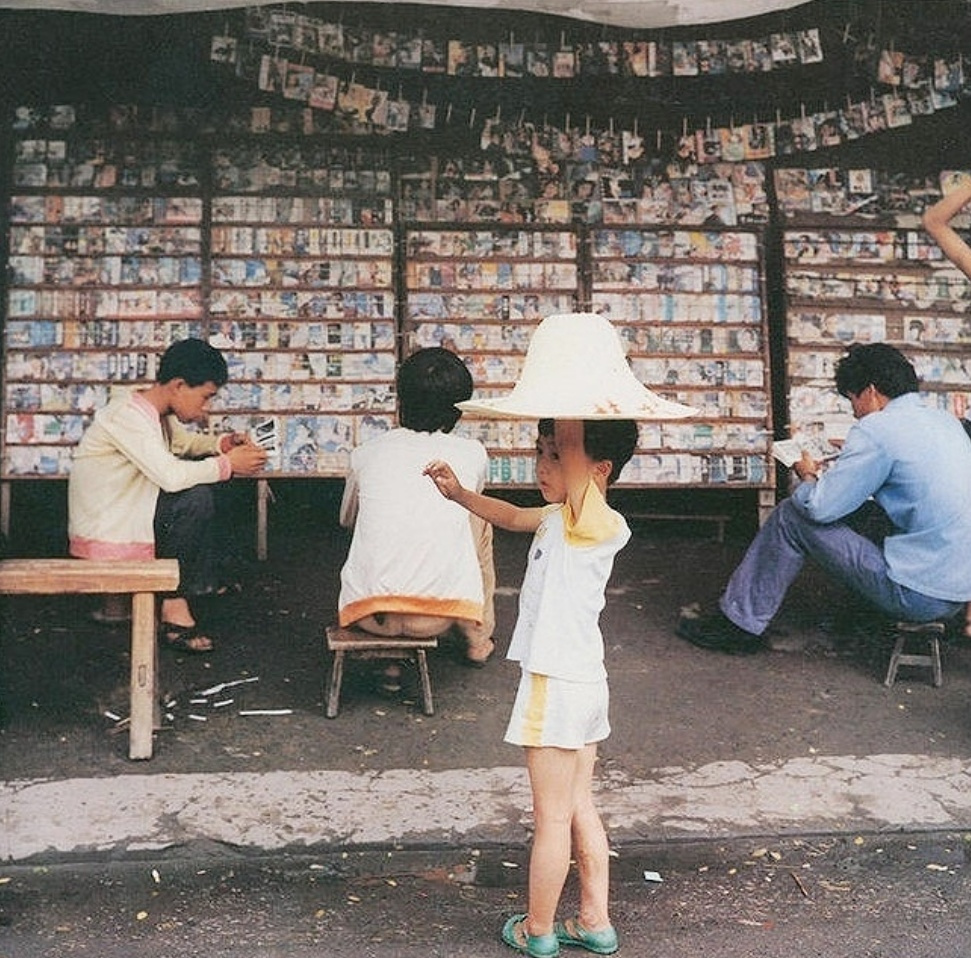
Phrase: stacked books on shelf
{"type": "Point", "coordinates": [689, 306]}
{"type": "Point", "coordinates": [878, 282]}
{"type": "Point", "coordinates": [302, 302]}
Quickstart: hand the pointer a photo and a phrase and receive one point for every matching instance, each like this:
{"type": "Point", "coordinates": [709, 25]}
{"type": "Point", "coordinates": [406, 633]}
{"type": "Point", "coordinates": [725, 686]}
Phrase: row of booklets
{"type": "Point", "coordinates": [826, 325]}
{"type": "Point", "coordinates": [131, 270]}
{"type": "Point", "coordinates": [300, 241]}
{"type": "Point", "coordinates": [950, 368]}
{"type": "Point", "coordinates": [323, 449]}
{"type": "Point", "coordinates": [110, 210]}
{"type": "Point", "coordinates": [223, 333]}
{"type": "Point", "coordinates": [75, 240]}
{"type": "Point", "coordinates": [466, 338]}
{"type": "Point", "coordinates": [856, 245]}
{"type": "Point", "coordinates": [938, 289]}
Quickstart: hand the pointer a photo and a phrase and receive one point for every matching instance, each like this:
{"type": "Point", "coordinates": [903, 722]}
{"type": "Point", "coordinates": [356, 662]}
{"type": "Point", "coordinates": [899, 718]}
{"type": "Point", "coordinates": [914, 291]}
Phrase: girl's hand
{"type": "Point", "coordinates": [441, 474]}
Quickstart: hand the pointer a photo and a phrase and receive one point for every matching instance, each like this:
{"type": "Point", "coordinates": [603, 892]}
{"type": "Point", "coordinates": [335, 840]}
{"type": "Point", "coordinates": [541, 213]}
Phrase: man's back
{"type": "Point", "coordinates": [927, 496]}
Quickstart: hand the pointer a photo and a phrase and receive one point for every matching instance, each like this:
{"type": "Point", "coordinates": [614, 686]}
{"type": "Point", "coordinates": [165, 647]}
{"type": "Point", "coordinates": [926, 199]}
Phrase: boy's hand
{"type": "Point", "coordinates": [441, 474]}
{"type": "Point", "coordinates": [247, 459]}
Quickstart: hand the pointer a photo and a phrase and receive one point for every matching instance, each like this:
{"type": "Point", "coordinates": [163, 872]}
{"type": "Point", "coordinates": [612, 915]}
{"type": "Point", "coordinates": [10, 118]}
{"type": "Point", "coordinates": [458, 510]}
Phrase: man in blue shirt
{"type": "Point", "coordinates": [915, 464]}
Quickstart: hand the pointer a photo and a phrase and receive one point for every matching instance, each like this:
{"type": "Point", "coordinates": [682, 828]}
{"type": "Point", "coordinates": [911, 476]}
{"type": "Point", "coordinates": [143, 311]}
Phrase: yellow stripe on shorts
{"type": "Point", "coordinates": [535, 710]}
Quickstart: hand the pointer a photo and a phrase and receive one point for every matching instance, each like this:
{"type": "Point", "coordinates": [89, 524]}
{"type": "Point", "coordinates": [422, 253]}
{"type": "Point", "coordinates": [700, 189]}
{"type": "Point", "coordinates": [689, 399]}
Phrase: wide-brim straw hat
{"type": "Point", "coordinates": [575, 368]}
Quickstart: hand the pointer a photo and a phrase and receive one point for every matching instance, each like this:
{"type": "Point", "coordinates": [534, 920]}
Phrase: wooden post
{"type": "Point", "coordinates": [262, 498]}
{"type": "Point", "coordinates": [5, 508]}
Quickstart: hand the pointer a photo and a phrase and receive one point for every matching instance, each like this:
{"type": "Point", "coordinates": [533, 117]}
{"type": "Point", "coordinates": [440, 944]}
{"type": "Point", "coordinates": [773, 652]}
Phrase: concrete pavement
{"type": "Point", "coordinates": [407, 809]}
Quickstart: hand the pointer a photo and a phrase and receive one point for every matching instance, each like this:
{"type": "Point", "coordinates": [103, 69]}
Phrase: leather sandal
{"type": "Point", "coordinates": [184, 638]}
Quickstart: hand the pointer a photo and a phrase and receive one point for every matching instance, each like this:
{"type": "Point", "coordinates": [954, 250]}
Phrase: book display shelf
{"type": "Point", "coordinates": [302, 300]}
{"type": "Point", "coordinates": [315, 264]}
{"type": "Point", "coordinates": [481, 291]}
{"type": "Point", "coordinates": [878, 282]}
{"type": "Point", "coordinates": [105, 270]}
{"type": "Point", "coordinates": [690, 305]}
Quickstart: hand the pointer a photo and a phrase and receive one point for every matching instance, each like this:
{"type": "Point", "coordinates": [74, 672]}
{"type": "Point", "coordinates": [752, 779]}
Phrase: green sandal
{"type": "Point", "coordinates": [603, 942]}
{"type": "Point", "coordinates": [515, 935]}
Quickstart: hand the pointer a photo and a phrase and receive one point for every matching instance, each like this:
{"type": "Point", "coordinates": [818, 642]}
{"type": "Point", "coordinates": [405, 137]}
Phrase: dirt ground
{"type": "Point", "coordinates": [820, 692]}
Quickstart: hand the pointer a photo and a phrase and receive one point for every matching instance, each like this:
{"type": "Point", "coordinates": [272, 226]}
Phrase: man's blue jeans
{"type": "Point", "coordinates": [184, 531]}
{"type": "Point", "coordinates": [776, 556]}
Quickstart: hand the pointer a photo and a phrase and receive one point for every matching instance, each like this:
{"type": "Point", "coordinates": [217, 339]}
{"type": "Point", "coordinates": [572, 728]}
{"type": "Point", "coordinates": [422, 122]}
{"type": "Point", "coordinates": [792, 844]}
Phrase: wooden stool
{"type": "Point", "coordinates": [929, 632]}
{"type": "Point", "coordinates": [365, 645]}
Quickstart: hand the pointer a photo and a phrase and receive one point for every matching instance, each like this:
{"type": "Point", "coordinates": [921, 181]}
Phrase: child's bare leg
{"type": "Point", "coordinates": [552, 778]}
{"type": "Point", "coordinates": [590, 847]}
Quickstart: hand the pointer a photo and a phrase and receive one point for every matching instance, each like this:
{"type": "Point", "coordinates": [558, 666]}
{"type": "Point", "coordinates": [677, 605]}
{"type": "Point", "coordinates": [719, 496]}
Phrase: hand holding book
{"type": "Point", "coordinates": [792, 451]}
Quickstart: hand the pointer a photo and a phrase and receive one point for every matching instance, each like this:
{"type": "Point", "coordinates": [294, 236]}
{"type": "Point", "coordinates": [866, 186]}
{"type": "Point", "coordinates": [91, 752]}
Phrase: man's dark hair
{"type": "Point", "coordinates": [195, 361]}
{"type": "Point", "coordinates": [430, 383]}
{"type": "Point", "coordinates": [612, 440]}
{"type": "Point", "coordinates": [875, 364]}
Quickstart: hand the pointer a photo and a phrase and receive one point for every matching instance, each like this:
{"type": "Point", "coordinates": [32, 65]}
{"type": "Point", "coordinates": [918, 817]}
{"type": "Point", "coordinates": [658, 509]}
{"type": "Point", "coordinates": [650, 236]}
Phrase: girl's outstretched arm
{"type": "Point", "coordinates": [497, 512]}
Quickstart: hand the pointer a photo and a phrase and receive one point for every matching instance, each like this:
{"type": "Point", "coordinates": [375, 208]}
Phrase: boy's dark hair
{"type": "Point", "coordinates": [612, 440]}
{"type": "Point", "coordinates": [195, 361]}
{"type": "Point", "coordinates": [430, 383]}
{"type": "Point", "coordinates": [885, 368]}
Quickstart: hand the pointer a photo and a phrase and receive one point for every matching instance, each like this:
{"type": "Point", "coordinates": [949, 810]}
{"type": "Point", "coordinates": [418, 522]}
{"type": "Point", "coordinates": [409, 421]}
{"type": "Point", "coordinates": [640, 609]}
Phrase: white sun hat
{"type": "Point", "coordinates": [575, 368]}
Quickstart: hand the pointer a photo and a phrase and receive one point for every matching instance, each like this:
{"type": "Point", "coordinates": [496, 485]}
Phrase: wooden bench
{"type": "Point", "coordinates": [365, 645]}
{"type": "Point", "coordinates": [141, 580]}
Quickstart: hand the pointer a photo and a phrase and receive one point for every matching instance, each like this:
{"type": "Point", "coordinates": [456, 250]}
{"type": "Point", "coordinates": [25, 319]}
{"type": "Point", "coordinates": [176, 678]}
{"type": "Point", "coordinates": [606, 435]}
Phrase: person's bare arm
{"type": "Point", "coordinates": [568, 435]}
{"type": "Point", "coordinates": [937, 222]}
{"type": "Point", "coordinates": [497, 512]}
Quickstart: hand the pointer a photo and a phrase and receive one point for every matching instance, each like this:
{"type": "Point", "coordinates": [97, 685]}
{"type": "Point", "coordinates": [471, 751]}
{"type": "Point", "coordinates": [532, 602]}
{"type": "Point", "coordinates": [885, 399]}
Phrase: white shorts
{"type": "Point", "coordinates": [557, 713]}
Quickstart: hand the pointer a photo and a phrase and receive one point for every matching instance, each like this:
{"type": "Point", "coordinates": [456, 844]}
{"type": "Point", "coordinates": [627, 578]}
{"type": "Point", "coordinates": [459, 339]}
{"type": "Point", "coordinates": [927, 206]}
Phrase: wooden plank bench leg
{"type": "Point", "coordinates": [427, 704]}
{"type": "Point", "coordinates": [144, 708]}
{"type": "Point", "coordinates": [334, 685]}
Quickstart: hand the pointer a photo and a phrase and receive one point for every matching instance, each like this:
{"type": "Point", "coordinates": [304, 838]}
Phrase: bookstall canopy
{"type": "Point", "coordinates": [646, 14]}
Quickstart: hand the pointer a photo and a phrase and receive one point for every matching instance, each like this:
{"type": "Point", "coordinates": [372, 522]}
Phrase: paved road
{"type": "Point", "coordinates": [822, 898]}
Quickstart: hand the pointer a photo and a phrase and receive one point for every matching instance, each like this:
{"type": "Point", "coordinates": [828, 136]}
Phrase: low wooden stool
{"type": "Point", "coordinates": [929, 632]}
{"type": "Point", "coordinates": [365, 645]}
